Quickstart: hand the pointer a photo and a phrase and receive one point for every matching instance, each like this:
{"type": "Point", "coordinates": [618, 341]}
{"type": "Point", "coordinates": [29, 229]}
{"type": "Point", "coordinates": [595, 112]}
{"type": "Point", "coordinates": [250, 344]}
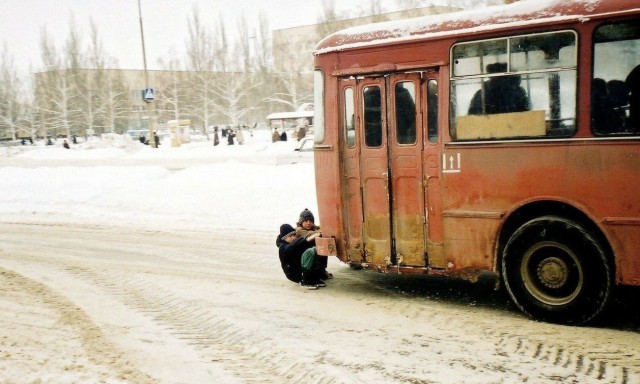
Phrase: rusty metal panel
{"type": "Point", "coordinates": [326, 246]}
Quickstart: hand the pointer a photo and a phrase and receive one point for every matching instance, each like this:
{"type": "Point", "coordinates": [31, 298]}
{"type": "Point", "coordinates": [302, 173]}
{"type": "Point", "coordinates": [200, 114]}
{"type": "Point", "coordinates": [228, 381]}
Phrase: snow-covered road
{"type": "Point", "coordinates": [127, 265]}
{"type": "Point", "coordinates": [88, 303]}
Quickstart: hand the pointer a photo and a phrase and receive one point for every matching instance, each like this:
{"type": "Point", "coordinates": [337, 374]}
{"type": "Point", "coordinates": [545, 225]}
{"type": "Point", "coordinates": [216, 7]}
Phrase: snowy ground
{"type": "Point", "coordinates": [125, 264]}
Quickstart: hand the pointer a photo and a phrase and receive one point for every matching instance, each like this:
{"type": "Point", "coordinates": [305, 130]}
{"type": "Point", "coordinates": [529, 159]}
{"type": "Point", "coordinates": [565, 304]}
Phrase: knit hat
{"type": "Point", "coordinates": [285, 229]}
{"type": "Point", "coordinates": [306, 215]}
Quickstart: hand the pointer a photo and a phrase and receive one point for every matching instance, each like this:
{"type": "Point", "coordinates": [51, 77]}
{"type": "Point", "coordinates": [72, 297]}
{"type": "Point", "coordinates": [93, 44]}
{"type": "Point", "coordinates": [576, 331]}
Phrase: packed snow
{"type": "Point", "coordinates": [194, 185]}
{"type": "Point", "coordinates": [121, 263]}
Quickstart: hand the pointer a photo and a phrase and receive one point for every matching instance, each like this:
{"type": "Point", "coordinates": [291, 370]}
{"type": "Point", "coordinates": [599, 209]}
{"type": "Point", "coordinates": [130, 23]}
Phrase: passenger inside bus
{"type": "Point", "coordinates": [633, 86]}
{"type": "Point", "coordinates": [615, 105]}
{"type": "Point", "coordinates": [372, 116]}
{"type": "Point", "coordinates": [405, 114]}
{"type": "Point", "coordinates": [502, 94]}
{"type": "Point", "coordinates": [603, 117]}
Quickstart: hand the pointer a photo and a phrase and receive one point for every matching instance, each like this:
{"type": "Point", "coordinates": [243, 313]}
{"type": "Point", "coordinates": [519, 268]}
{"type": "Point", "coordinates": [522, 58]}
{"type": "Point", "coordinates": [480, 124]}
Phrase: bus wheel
{"type": "Point", "coordinates": [556, 271]}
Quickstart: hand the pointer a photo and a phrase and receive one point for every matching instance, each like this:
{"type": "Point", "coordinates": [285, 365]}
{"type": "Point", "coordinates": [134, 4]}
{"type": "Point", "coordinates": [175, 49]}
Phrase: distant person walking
{"type": "Point", "coordinates": [65, 144]}
{"type": "Point", "coordinates": [230, 136]}
{"type": "Point", "coordinates": [216, 139]}
{"type": "Point", "coordinates": [275, 135]}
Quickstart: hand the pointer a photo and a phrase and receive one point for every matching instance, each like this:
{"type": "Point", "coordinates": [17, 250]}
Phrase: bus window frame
{"type": "Point", "coordinates": [545, 71]}
{"type": "Point", "coordinates": [382, 117]}
{"type": "Point", "coordinates": [414, 96]}
{"type": "Point", "coordinates": [432, 110]}
{"type": "Point", "coordinates": [343, 118]}
{"type": "Point", "coordinates": [318, 100]}
{"type": "Point", "coordinates": [594, 129]}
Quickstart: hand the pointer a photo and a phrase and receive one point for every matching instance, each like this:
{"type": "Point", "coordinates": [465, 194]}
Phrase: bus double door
{"type": "Point", "coordinates": [383, 152]}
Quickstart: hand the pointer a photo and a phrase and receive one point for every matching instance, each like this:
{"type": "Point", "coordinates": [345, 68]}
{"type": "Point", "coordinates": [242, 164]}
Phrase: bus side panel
{"type": "Point", "coordinates": [599, 179]}
{"type": "Point", "coordinates": [469, 242]}
{"type": "Point", "coordinates": [328, 195]}
{"type": "Point", "coordinates": [327, 172]}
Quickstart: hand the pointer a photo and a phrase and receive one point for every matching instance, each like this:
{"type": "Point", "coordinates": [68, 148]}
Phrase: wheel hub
{"type": "Point", "coordinates": [553, 272]}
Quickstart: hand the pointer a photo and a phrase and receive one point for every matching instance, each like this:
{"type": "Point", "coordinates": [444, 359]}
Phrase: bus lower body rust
{"type": "Point", "coordinates": [326, 246]}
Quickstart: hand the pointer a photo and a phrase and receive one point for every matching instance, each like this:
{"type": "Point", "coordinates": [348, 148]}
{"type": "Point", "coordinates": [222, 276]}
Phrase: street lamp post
{"type": "Point", "coordinates": [151, 120]}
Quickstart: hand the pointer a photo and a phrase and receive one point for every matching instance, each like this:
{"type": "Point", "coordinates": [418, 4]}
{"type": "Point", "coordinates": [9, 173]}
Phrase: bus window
{"type": "Point", "coordinates": [372, 116]}
{"type": "Point", "coordinates": [522, 86]}
{"type": "Point", "coordinates": [475, 58]}
{"type": "Point", "coordinates": [318, 103]}
{"type": "Point", "coordinates": [349, 118]}
{"type": "Point", "coordinates": [615, 87]}
{"type": "Point", "coordinates": [432, 110]}
{"type": "Point", "coordinates": [405, 112]}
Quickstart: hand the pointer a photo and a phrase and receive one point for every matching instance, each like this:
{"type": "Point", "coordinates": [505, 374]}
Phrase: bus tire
{"type": "Point", "coordinates": [556, 271]}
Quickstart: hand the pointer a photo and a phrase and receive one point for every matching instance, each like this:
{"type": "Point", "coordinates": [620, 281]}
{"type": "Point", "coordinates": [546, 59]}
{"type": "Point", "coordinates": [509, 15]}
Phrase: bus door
{"type": "Point", "coordinates": [374, 171]}
{"type": "Point", "coordinates": [433, 169]}
{"type": "Point", "coordinates": [405, 145]}
{"type": "Point", "coordinates": [350, 133]}
{"type": "Point", "coordinates": [383, 148]}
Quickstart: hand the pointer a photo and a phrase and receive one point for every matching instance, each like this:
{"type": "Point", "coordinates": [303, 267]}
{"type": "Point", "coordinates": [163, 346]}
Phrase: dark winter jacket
{"type": "Point", "coordinates": [290, 256]}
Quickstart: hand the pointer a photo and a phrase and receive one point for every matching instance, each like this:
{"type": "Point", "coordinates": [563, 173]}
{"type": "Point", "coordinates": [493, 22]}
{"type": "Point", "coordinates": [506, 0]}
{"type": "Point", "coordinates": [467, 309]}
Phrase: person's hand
{"type": "Point", "coordinates": [313, 237]}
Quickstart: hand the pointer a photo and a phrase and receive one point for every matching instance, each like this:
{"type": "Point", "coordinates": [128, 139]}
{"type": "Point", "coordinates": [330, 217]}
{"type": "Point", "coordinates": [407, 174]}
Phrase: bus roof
{"type": "Point", "coordinates": [522, 13]}
{"type": "Point", "coordinates": [290, 115]}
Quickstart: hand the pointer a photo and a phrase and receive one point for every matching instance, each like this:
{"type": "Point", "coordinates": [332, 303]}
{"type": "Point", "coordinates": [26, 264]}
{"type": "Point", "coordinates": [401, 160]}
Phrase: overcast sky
{"type": "Point", "coordinates": [165, 23]}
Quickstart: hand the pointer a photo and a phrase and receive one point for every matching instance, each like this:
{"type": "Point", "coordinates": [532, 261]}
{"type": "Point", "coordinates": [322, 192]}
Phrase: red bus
{"type": "Point", "coordinates": [504, 140]}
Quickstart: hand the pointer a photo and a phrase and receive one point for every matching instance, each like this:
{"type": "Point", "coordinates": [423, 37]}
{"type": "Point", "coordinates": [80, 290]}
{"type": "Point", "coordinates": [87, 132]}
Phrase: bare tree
{"type": "Point", "coordinates": [262, 70]}
{"type": "Point", "coordinates": [328, 16]}
{"type": "Point", "coordinates": [55, 91]}
{"type": "Point", "coordinates": [10, 104]}
{"type": "Point", "coordinates": [375, 7]}
{"type": "Point", "coordinates": [116, 106]}
{"type": "Point", "coordinates": [171, 99]}
{"type": "Point", "coordinates": [293, 74]}
{"type": "Point", "coordinates": [86, 101]}
{"type": "Point", "coordinates": [262, 44]}
{"type": "Point", "coordinates": [232, 91]}
{"type": "Point", "coordinates": [205, 54]}
{"type": "Point", "coordinates": [243, 45]}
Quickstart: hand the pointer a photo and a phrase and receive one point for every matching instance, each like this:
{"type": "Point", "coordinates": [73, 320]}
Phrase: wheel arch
{"type": "Point", "coordinates": [539, 208]}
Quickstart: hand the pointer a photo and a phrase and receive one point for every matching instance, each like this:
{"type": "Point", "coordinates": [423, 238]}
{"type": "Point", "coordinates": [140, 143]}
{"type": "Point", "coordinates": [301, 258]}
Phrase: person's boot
{"type": "Point", "coordinates": [307, 281]}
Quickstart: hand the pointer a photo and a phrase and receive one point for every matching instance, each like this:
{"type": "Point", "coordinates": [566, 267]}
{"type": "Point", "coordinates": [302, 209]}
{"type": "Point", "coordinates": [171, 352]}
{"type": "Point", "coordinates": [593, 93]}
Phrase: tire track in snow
{"type": "Point", "coordinates": [585, 352]}
{"type": "Point", "coordinates": [26, 298]}
{"type": "Point", "coordinates": [251, 357]}
{"type": "Point", "coordinates": [579, 353]}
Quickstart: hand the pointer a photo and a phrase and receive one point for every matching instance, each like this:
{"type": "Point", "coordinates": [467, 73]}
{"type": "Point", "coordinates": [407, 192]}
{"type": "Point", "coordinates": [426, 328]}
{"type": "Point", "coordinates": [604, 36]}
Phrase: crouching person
{"type": "Point", "coordinates": [306, 227]}
{"type": "Point", "coordinates": [297, 268]}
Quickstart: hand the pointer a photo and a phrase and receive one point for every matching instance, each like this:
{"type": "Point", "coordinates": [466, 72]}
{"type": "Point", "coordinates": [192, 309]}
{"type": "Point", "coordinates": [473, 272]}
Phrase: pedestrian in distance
{"type": "Point", "coordinates": [216, 139]}
{"type": "Point", "coordinates": [230, 136]}
{"type": "Point", "coordinates": [65, 144]}
{"type": "Point", "coordinates": [275, 135]}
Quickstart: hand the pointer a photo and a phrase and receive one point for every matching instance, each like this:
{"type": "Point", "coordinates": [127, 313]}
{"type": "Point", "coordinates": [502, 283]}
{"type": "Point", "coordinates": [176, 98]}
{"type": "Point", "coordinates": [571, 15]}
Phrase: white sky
{"type": "Point", "coordinates": [165, 23]}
